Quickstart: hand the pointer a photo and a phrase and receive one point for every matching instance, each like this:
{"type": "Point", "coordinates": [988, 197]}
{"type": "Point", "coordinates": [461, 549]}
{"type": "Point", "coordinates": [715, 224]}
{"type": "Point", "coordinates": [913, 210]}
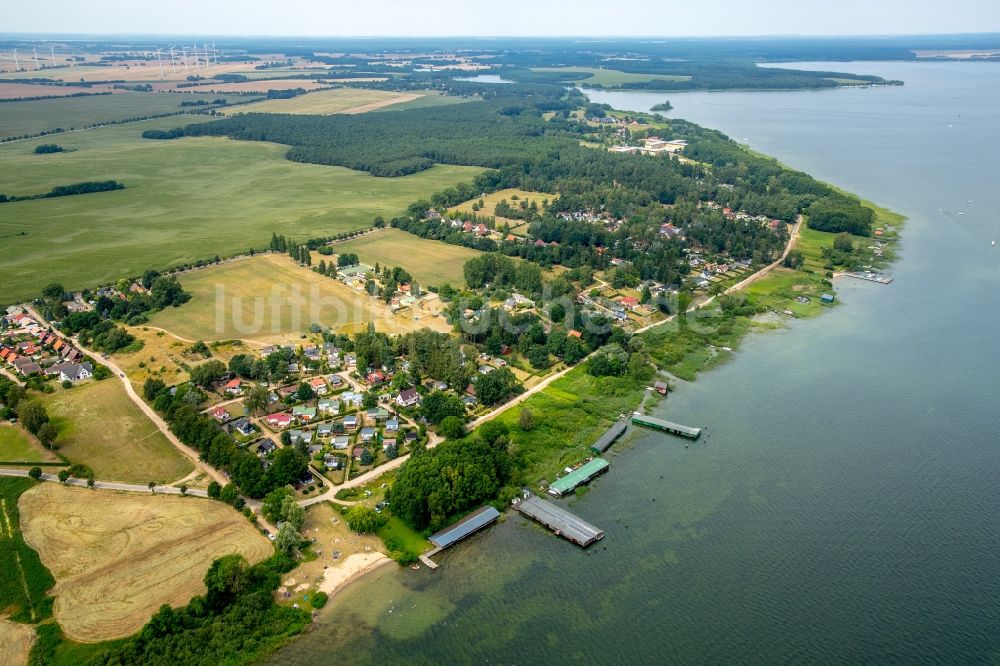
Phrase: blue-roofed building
{"type": "Point", "coordinates": [472, 523]}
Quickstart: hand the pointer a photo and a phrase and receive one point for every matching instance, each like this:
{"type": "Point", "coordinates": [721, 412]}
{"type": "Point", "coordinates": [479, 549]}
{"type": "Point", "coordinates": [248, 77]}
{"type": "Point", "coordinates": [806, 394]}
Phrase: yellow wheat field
{"type": "Point", "coordinates": [117, 556]}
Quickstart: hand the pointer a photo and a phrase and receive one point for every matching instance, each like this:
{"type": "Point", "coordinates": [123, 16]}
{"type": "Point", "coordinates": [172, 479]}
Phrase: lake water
{"type": "Point", "coordinates": [843, 507]}
{"type": "Point", "coordinates": [484, 78]}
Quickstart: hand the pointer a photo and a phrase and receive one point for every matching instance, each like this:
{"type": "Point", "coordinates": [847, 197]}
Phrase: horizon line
{"type": "Point", "coordinates": [65, 34]}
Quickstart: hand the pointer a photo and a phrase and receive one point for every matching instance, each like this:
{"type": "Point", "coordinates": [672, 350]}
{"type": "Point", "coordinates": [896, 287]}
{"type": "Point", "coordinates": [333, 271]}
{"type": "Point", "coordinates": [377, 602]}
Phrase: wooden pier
{"type": "Point", "coordinates": [666, 426]}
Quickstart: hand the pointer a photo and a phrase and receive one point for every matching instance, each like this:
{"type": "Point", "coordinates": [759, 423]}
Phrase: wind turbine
{"type": "Point", "coordinates": [37, 66]}
{"type": "Point", "coordinates": [52, 52]}
{"type": "Point", "coordinates": [173, 66]}
{"type": "Point", "coordinates": [184, 53]}
{"type": "Point", "coordinates": [17, 66]}
{"type": "Point", "coordinates": [159, 60]}
{"type": "Point", "coordinates": [215, 54]}
{"type": "Point", "coordinates": [207, 61]}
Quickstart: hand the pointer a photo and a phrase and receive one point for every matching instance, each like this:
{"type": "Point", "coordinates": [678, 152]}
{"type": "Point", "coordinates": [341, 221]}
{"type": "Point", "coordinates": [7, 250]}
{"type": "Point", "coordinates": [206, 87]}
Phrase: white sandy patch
{"type": "Point", "coordinates": [352, 567]}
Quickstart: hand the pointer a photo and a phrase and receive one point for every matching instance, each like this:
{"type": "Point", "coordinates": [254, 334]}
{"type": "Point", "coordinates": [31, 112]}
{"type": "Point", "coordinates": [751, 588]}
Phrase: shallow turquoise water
{"type": "Point", "coordinates": [843, 506]}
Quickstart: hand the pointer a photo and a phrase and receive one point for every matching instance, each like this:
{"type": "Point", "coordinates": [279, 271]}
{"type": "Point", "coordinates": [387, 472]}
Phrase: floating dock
{"type": "Point", "coordinates": [559, 520]}
{"type": "Point", "coordinates": [609, 437]}
{"type": "Point", "coordinates": [666, 426]}
{"type": "Point", "coordinates": [578, 476]}
{"type": "Point", "coordinates": [871, 276]}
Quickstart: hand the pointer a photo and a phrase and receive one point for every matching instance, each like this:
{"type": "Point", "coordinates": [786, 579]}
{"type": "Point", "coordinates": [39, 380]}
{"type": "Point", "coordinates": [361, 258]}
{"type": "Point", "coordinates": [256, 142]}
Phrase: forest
{"type": "Point", "coordinates": [428, 491]}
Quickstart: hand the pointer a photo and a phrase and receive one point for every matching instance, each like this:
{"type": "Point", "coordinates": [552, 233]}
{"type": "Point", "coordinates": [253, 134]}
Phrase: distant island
{"type": "Point", "coordinates": [663, 106]}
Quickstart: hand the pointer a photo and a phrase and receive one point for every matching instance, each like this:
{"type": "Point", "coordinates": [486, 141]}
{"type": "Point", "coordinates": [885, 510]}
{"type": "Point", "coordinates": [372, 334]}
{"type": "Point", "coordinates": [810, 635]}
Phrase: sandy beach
{"type": "Point", "coordinates": [353, 567]}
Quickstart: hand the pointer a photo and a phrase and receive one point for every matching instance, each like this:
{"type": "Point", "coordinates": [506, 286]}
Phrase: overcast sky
{"type": "Point", "coordinates": [504, 17]}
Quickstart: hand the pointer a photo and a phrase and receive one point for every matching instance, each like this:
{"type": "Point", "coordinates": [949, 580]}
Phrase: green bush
{"type": "Point", "coordinates": [319, 599]}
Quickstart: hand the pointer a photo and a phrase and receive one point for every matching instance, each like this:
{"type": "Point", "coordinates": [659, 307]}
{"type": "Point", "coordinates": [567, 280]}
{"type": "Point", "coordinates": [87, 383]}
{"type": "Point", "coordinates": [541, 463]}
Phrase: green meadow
{"type": "Point", "coordinates": [184, 200]}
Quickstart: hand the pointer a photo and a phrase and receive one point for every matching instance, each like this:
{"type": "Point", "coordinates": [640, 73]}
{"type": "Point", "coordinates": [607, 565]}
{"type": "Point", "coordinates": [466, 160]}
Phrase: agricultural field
{"type": "Point", "coordinates": [117, 557]}
{"type": "Point", "coordinates": [609, 78]}
{"type": "Point", "coordinates": [325, 102]}
{"type": "Point", "coordinates": [18, 446]}
{"type": "Point", "coordinates": [490, 201]}
{"type": "Point", "coordinates": [16, 640]}
{"type": "Point", "coordinates": [259, 86]}
{"type": "Point", "coordinates": [184, 200]}
{"type": "Point", "coordinates": [100, 427]}
{"type": "Point", "coordinates": [134, 71]}
{"type": "Point", "coordinates": [18, 90]}
{"type": "Point", "coordinates": [32, 117]}
{"type": "Point", "coordinates": [430, 262]}
{"type": "Point", "coordinates": [426, 99]}
{"type": "Point", "coordinates": [259, 303]}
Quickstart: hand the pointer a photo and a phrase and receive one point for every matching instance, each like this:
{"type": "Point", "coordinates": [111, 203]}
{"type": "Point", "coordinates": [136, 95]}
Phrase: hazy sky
{"type": "Point", "coordinates": [504, 17]}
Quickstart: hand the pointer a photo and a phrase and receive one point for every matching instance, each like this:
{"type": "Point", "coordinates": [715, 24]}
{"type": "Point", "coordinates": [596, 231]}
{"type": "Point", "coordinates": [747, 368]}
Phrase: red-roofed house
{"type": "Point", "coordinates": [574, 334]}
{"type": "Point", "coordinates": [234, 386]}
{"type": "Point", "coordinates": [279, 419]}
{"type": "Point", "coordinates": [220, 414]}
{"type": "Point", "coordinates": [629, 301]}
{"type": "Point", "coordinates": [318, 385]}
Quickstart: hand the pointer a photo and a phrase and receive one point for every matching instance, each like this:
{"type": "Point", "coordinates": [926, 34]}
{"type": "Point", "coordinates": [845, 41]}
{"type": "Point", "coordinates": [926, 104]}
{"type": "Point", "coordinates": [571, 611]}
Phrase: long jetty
{"type": "Point", "coordinates": [871, 276]}
{"type": "Point", "coordinates": [559, 520]}
{"type": "Point", "coordinates": [666, 426]}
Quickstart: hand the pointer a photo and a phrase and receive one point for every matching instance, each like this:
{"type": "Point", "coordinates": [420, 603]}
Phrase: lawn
{"type": "Point", "coordinates": [17, 446]}
{"type": "Point", "coordinates": [401, 538]}
{"type": "Point", "coordinates": [259, 302]}
{"type": "Point", "coordinates": [20, 118]}
{"type": "Point", "coordinates": [430, 262]}
{"type": "Point", "coordinates": [184, 200]}
{"type": "Point", "coordinates": [325, 102]}
{"type": "Point", "coordinates": [610, 78]}
{"type": "Point", "coordinates": [100, 427]}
